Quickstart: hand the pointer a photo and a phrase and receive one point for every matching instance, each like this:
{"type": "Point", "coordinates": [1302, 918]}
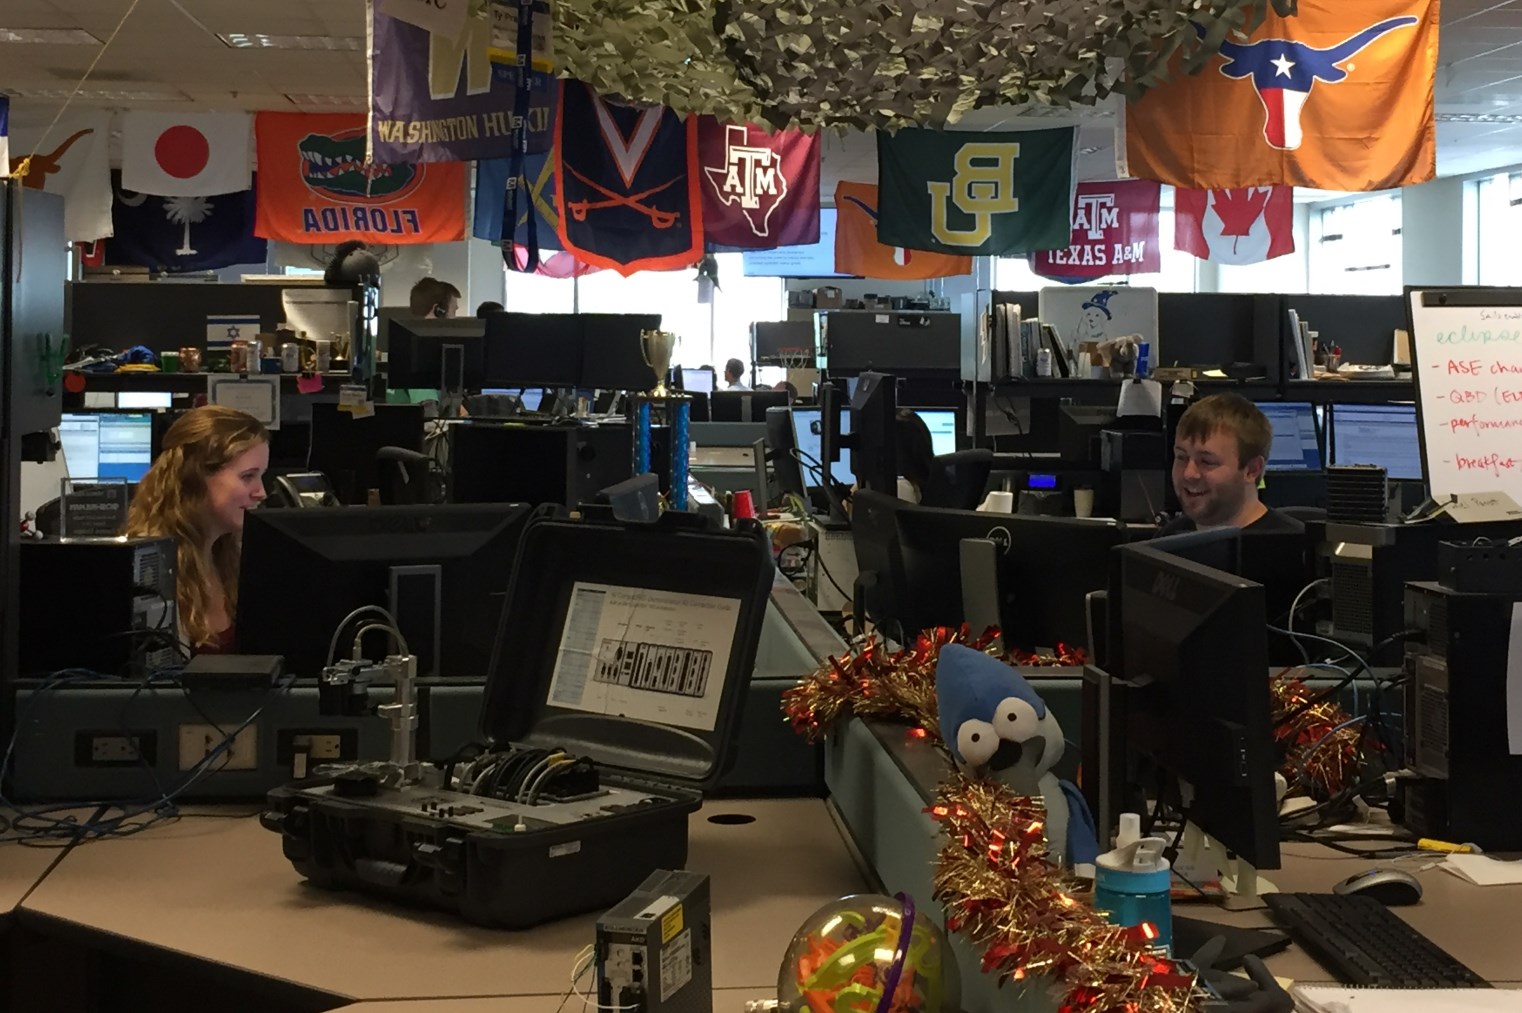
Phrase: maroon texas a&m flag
{"type": "Point", "coordinates": [760, 190]}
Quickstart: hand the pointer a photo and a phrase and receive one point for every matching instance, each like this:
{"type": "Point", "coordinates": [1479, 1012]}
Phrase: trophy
{"type": "Point", "coordinates": [657, 346]}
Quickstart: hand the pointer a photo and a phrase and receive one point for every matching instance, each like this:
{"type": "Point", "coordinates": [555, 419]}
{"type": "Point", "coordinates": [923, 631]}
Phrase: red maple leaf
{"type": "Point", "coordinates": [1239, 209]}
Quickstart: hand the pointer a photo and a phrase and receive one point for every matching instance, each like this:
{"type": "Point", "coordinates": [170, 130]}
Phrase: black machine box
{"type": "Point", "coordinates": [626, 648]}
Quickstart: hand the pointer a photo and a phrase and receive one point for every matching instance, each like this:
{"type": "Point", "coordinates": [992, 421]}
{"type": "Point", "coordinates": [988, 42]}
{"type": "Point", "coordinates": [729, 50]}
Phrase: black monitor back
{"type": "Point", "coordinates": [780, 440]}
{"type": "Point", "coordinates": [303, 571]}
{"type": "Point", "coordinates": [612, 354]}
{"type": "Point", "coordinates": [533, 350]}
{"type": "Point", "coordinates": [744, 405]}
{"type": "Point", "coordinates": [536, 464]}
{"type": "Point", "coordinates": [344, 448]}
{"type": "Point", "coordinates": [419, 350]}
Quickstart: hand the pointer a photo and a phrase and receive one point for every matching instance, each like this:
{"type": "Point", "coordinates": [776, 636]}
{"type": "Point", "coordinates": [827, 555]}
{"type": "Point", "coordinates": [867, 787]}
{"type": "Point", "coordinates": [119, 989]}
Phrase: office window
{"type": "Point", "coordinates": [1014, 274]}
{"type": "Point", "coordinates": [1356, 247]}
{"type": "Point", "coordinates": [1500, 213]}
{"type": "Point", "coordinates": [709, 333]}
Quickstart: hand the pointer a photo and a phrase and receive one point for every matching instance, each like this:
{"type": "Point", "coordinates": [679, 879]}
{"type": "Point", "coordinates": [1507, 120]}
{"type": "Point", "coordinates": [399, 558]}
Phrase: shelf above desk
{"type": "Point", "coordinates": [182, 383]}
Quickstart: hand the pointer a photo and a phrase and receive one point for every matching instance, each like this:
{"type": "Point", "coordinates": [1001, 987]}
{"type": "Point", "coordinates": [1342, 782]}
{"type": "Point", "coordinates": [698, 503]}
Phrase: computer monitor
{"type": "Point", "coordinates": [105, 444]}
{"type": "Point", "coordinates": [1047, 566]}
{"type": "Point", "coordinates": [1297, 439]}
{"type": "Point", "coordinates": [873, 439]}
{"type": "Point", "coordinates": [533, 350]}
{"type": "Point", "coordinates": [942, 423]}
{"type": "Point", "coordinates": [698, 381]}
{"type": "Point", "coordinates": [744, 405]}
{"type": "Point", "coordinates": [443, 571]}
{"type": "Point", "coordinates": [613, 354]}
{"type": "Point", "coordinates": [530, 398]}
{"type": "Point", "coordinates": [1197, 704]}
{"type": "Point", "coordinates": [344, 447]}
{"type": "Point", "coordinates": [1382, 435]}
{"type": "Point", "coordinates": [447, 354]}
{"type": "Point", "coordinates": [808, 431]}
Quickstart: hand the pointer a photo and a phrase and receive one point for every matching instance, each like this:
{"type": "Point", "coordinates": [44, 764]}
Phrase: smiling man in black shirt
{"type": "Point", "coordinates": [1219, 453]}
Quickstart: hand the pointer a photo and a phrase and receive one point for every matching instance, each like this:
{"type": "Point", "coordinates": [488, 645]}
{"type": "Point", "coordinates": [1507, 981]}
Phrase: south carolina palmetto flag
{"type": "Point", "coordinates": [1338, 96]}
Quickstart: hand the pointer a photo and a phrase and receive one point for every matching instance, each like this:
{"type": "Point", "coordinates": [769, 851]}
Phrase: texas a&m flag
{"type": "Point", "coordinates": [1337, 97]}
{"type": "Point", "coordinates": [760, 189]}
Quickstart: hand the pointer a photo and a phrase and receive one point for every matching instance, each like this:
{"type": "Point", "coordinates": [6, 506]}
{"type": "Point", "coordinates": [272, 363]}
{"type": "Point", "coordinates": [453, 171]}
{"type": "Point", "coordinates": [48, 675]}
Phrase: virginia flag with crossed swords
{"type": "Point", "coordinates": [1337, 97]}
{"type": "Point", "coordinates": [628, 186]}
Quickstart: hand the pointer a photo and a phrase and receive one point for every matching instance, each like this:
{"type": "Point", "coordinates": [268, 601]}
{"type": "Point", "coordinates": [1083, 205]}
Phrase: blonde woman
{"type": "Point", "coordinates": [209, 473]}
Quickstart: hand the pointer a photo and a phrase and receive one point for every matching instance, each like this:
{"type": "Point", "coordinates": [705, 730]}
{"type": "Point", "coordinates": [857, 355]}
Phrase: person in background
{"type": "Point", "coordinates": [489, 307]}
{"type": "Point", "coordinates": [209, 474]}
{"type": "Point", "coordinates": [1219, 452]}
{"type": "Point", "coordinates": [431, 297]}
{"type": "Point", "coordinates": [787, 387]}
{"type": "Point", "coordinates": [734, 369]}
{"type": "Point", "coordinates": [915, 453]}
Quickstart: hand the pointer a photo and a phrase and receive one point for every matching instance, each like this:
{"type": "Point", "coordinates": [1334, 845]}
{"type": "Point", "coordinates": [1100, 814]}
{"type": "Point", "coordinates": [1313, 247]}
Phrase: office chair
{"type": "Point", "coordinates": [299, 489]}
{"type": "Point", "coordinates": [408, 478]}
{"type": "Point", "coordinates": [957, 481]}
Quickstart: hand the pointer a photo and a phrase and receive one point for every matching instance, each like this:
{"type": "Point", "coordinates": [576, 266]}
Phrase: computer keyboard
{"type": "Point", "coordinates": [1364, 943]}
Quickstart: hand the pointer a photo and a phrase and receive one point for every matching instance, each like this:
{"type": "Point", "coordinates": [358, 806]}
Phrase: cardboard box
{"type": "Point", "coordinates": [828, 297]}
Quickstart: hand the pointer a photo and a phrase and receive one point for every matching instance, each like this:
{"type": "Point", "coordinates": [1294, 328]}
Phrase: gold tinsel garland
{"type": "Point", "coordinates": [992, 876]}
{"type": "Point", "coordinates": [1323, 748]}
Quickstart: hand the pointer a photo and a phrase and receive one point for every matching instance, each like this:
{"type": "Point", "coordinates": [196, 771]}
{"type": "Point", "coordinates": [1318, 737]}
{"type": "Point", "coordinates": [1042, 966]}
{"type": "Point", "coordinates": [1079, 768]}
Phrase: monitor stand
{"type": "Point", "coordinates": [1202, 858]}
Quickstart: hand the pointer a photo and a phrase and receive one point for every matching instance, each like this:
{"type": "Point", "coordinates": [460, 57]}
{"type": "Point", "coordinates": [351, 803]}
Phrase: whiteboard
{"type": "Point", "coordinates": [1466, 355]}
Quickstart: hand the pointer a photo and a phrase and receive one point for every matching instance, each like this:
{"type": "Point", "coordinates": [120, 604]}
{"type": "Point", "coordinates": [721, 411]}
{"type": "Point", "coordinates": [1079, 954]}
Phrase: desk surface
{"type": "Point", "coordinates": [725, 1000]}
{"type": "Point", "coordinates": [1480, 926]}
{"type": "Point", "coordinates": [220, 890]}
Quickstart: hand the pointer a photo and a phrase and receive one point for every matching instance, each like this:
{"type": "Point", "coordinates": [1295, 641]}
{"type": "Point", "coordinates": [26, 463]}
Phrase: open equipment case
{"type": "Point", "coordinates": [628, 647]}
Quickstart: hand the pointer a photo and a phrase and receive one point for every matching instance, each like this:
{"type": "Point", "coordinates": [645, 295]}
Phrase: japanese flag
{"type": "Point", "coordinates": [186, 154]}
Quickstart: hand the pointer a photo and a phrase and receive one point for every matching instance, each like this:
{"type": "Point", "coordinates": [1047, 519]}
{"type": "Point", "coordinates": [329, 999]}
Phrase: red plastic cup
{"type": "Point", "coordinates": [744, 506]}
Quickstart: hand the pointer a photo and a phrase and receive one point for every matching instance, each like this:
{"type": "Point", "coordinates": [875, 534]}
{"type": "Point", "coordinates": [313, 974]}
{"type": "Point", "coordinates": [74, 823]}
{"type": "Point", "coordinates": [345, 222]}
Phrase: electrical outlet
{"type": "Point", "coordinates": [322, 745]}
{"type": "Point", "coordinates": [196, 741]}
{"type": "Point", "coordinates": [114, 749]}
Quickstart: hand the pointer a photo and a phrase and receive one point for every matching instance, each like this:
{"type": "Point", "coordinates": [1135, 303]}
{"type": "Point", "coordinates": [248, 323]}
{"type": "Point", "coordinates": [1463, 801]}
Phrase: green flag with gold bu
{"type": "Point", "coordinates": [983, 194]}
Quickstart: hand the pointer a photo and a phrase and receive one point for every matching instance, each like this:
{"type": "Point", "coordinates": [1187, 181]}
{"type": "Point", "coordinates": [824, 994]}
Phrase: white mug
{"type": "Point", "coordinates": [1083, 502]}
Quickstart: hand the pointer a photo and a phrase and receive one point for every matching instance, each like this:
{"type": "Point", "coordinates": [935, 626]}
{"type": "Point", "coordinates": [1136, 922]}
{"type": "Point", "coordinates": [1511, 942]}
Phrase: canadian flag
{"type": "Point", "coordinates": [186, 154]}
{"type": "Point", "coordinates": [1245, 226]}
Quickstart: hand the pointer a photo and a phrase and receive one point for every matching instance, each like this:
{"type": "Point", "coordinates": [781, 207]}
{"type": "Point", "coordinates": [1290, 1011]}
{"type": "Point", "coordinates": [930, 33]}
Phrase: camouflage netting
{"type": "Point", "coordinates": [836, 63]}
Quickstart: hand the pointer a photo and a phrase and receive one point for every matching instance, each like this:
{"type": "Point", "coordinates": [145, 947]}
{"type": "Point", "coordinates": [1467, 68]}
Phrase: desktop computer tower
{"type": "Point", "coordinates": [561, 464]}
{"type": "Point", "coordinates": [1370, 567]}
{"type": "Point", "coordinates": [1466, 780]}
{"type": "Point", "coordinates": [103, 604]}
{"type": "Point", "coordinates": [1134, 464]}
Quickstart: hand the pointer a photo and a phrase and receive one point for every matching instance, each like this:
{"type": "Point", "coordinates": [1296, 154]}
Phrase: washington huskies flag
{"type": "Point", "coordinates": [980, 194]}
{"type": "Point", "coordinates": [858, 252]}
{"type": "Point", "coordinates": [760, 190]}
{"type": "Point", "coordinates": [1337, 97]}
{"type": "Point", "coordinates": [629, 197]}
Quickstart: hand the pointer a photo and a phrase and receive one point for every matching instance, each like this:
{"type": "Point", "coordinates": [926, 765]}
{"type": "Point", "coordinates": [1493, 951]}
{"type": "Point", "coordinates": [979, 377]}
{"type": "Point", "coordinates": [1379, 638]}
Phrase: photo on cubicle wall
{"type": "Point", "coordinates": [1098, 313]}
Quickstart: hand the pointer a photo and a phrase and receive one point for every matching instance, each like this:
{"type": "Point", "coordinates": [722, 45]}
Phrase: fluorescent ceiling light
{"type": "Point", "coordinates": [50, 36]}
{"type": "Point", "coordinates": [1503, 118]}
{"type": "Point", "coordinates": [256, 40]}
{"type": "Point", "coordinates": [101, 94]}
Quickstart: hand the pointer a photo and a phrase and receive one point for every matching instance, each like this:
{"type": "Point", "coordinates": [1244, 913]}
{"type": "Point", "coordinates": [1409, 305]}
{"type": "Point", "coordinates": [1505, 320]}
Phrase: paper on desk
{"type": "Point", "coordinates": [1340, 999]}
{"type": "Point", "coordinates": [1482, 870]}
{"type": "Point", "coordinates": [1514, 682]}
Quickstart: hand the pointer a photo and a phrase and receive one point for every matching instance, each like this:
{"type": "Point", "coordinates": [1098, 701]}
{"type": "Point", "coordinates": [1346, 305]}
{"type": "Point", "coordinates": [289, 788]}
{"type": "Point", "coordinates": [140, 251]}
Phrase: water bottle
{"type": "Point", "coordinates": [1133, 883]}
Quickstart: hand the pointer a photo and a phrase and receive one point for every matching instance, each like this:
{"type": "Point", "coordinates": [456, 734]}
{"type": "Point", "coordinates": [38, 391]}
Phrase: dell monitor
{"type": "Point", "coordinates": [1196, 708]}
{"type": "Point", "coordinates": [443, 354]}
{"type": "Point", "coordinates": [698, 381]}
{"type": "Point", "coordinates": [613, 353]}
{"type": "Point", "coordinates": [442, 571]}
{"type": "Point", "coordinates": [1297, 440]}
{"type": "Point", "coordinates": [1383, 435]}
{"type": "Point", "coordinates": [107, 445]}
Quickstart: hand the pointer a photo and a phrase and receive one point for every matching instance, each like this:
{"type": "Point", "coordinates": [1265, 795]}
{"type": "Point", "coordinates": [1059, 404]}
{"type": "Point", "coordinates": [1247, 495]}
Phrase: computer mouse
{"type": "Point", "coordinates": [1391, 887]}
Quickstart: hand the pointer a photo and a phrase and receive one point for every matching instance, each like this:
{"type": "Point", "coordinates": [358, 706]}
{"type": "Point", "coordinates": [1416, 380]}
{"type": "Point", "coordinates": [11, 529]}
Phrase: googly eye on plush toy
{"type": "Point", "coordinates": [977, 741]}
{"type": "Point", "coordinates": [1016, 720]}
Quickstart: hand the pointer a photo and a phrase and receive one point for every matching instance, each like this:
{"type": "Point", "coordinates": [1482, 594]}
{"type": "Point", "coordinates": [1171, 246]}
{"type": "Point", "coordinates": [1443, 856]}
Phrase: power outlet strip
{"type": "Point", "coordinates": [197, 741]}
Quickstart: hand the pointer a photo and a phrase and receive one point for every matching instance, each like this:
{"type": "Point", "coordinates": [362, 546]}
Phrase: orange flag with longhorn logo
{"type": "Point", "coordinates": [1337, 97]}
{"type": "Point", "coordinates": [858, 252]}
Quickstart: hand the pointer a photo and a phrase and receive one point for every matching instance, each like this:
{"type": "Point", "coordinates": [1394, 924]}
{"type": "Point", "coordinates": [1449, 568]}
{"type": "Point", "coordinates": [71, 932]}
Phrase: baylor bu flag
{"type": "Point", "coordinates": [984, 194]}
{"type": "Point", "coordinates": [858, 252]}
{"type": "Point", "coordinates": [1246, 226]}
{"type": "Point", "coordinates": [629, 199]}
{"type": "Point", "coordinates": [760, 190]}
{"type": "Point", "coordinates": [314, 186]}
{"type": "Point", "coordinates": [1337, 97]}
{"type": "Point", "coordinates": [1114, 232]}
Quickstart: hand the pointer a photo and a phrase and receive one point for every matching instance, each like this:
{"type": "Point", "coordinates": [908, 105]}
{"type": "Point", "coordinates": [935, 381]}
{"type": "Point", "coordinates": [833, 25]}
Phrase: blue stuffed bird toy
{"type": "Point", "coordinates": [996, 725]}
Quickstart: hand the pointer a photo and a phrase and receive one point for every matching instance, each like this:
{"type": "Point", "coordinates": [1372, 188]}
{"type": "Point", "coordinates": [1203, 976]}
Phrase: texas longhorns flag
{"type": "Point", "coordinates": [1246, 226]}
{"type": "Point", "coordinates": [858, 252]}
{"type": "Point", "coordinates": [186, 154]}
{"type": "Point", "coordinates": [72, 159]}
{"type": "Point", "coordinates": [1337, 97]}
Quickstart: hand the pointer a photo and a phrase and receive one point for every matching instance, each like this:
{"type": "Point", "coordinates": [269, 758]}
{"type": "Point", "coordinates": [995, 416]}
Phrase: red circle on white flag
{"type": "Point", "coordinates": [182, 151]}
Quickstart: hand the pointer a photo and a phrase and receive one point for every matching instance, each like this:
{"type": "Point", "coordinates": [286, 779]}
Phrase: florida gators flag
{"type": "Point", "coordinates": [629, 196]}
{"type": "Point", "coordinates": [1245, 226]}
{"type": "Point", "coordinates": [858, 252]}
{"type": "Point", "coordinates": [1337, 97]}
